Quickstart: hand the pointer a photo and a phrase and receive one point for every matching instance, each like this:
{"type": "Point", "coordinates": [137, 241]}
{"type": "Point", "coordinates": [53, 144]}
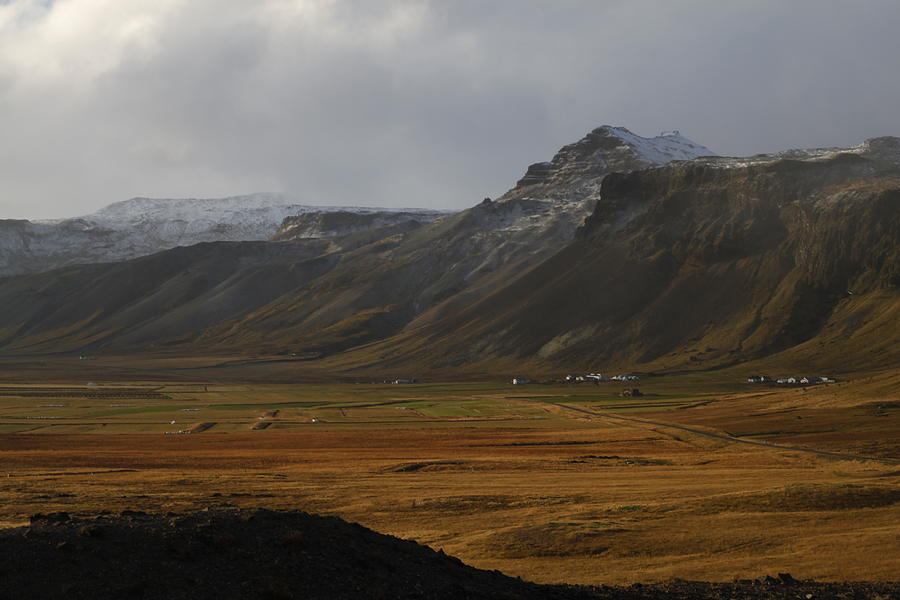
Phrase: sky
{"type": "Point", "coordinates": [411, 103]}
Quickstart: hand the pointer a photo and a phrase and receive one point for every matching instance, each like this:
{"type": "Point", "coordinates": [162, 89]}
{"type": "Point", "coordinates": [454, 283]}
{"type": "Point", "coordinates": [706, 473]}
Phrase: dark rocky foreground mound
{"type": "Point", "coordinates": [231, 554]}
{"type": "Point", "coordinates": [267, 554]}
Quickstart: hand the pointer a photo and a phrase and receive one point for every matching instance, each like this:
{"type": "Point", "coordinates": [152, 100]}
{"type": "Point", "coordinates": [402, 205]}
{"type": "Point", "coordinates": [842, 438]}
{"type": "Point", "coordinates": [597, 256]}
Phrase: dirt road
{"type": "Point", "coordinates": [728, 438]}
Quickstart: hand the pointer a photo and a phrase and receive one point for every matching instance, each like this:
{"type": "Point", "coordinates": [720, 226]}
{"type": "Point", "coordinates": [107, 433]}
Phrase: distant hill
{"type": "Point", "coordinates": [142, 226]}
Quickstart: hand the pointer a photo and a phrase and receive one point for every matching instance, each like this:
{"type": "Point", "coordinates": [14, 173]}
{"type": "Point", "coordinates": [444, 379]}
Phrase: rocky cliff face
{"type": "Point", "coordinates": [753, 257]}
{"type": "Point", "coordinates": [710, 262]}
{"type": "Point", "coordinates": [556, 196]}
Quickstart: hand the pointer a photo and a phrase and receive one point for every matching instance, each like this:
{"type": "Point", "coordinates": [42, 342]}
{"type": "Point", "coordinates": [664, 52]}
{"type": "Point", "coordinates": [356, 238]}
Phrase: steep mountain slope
{"type": "Point", "coordinates": [703, 263]}
{"type": "Point", "coordinates": [450, 263]}
{"type": "Point", "coordinates": [142, 226]}
{"type": "Point", "coordinates": [151, 299]}
{"type": "Point", "coordinates": [377, 281]}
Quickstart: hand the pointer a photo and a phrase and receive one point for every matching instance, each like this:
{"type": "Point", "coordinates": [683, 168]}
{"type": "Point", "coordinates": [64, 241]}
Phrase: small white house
{"type": "Point", "coordinates": [597, 377]}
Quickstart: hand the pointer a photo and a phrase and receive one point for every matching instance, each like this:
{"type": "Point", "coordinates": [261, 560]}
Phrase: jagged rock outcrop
{"type": "Point", "coordinates": [610, 149]}
{"type": "Point", "coordinates": [558, 195]}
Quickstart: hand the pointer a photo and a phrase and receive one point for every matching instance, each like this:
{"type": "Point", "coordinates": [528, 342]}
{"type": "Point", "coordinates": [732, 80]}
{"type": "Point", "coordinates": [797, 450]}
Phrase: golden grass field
{"type": "Point", "coordinates": [548, 482]}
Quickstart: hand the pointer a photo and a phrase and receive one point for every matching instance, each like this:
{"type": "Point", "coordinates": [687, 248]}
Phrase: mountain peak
{"type": "Point", "coordinates": [667, 146]}
{"type": "Point", "coordinates": [607, 149]}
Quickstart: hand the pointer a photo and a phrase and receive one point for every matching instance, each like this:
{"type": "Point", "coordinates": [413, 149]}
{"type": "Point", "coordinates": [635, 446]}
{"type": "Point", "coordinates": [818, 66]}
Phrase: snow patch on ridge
{"type": "Point", "coordinates": [661, 149]}
{"type": "Point", "coordinates": [882, 149]}
{"type": "Point", "coordinates": [142, 226]}
{"type": "Point", "coordinates": [263, 207]}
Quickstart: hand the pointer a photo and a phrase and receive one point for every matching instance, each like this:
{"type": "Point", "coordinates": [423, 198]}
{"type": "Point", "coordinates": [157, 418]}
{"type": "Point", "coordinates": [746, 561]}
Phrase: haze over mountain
{"type": "Point", "coordinates": [704, 261]}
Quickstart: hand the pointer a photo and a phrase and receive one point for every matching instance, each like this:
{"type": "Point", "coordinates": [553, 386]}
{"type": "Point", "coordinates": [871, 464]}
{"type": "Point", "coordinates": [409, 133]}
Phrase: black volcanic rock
{"type": "Point", "coordinates": [262, 554]}
{"type": "Point", "coordinates": [233, 554]}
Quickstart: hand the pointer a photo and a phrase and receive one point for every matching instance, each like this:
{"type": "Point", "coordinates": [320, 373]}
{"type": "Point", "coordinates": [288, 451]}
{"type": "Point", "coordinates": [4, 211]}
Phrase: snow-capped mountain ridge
{"type": "Point", "coordinates": [263, 205]}
{"type": "Point", "coordinates": [536, 209]}
{"type": "Point", "coordinates": [882, 150]}
{"type": "Point", "coordinates": [554, 197]}
{"type": "Point", "coordinates": [142, 226]}
{"type": "Point", "coordinates": [665, 147]}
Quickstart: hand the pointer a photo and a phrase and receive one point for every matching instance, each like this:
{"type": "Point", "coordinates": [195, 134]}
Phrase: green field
{"type": "Point", "coordinates": [146, 408]}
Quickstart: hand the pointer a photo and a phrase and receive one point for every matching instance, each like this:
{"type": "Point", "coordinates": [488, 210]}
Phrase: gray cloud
{"type": "Point", "coordinates": [410, 103]}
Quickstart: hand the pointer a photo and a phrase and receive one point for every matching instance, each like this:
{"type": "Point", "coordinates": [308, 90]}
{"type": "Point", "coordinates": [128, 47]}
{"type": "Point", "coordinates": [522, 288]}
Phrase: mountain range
{"type": "Point", "coordinates": [143, 226]}
{"type": "Point", "coordinates": [646, 253]}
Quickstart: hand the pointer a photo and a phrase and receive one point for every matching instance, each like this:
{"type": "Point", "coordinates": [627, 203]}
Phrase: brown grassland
{"type": "Point", "coordinates": [554, 483]}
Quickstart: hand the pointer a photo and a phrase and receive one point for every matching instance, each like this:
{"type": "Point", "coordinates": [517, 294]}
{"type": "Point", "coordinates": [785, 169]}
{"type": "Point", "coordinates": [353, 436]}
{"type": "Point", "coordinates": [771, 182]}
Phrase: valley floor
{"type": "Point", "coordinates": [552, 483]}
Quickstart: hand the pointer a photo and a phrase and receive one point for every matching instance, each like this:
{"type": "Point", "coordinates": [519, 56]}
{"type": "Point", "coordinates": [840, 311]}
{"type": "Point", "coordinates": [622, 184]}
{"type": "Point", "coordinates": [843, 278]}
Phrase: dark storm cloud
{"type": "Point", "coordinates": [410, 103]}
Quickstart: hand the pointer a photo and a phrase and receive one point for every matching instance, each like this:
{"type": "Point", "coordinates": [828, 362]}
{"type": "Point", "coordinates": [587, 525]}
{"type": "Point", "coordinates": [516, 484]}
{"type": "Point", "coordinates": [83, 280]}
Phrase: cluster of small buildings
{"type": "Point", "coordinates": [791, 380]}
{"type": "Point", "coordinates": [589, 378]}
{"type": "Point", "coordinates": [600, 378]}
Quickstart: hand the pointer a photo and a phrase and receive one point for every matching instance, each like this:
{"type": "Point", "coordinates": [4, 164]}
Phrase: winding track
{"type": "Point", "coordinates": [728, 438]}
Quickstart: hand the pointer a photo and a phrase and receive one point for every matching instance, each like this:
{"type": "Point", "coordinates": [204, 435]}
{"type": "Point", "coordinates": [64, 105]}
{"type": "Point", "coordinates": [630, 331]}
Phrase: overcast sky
{"type": "Point", "coordinates": [410, 103]}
